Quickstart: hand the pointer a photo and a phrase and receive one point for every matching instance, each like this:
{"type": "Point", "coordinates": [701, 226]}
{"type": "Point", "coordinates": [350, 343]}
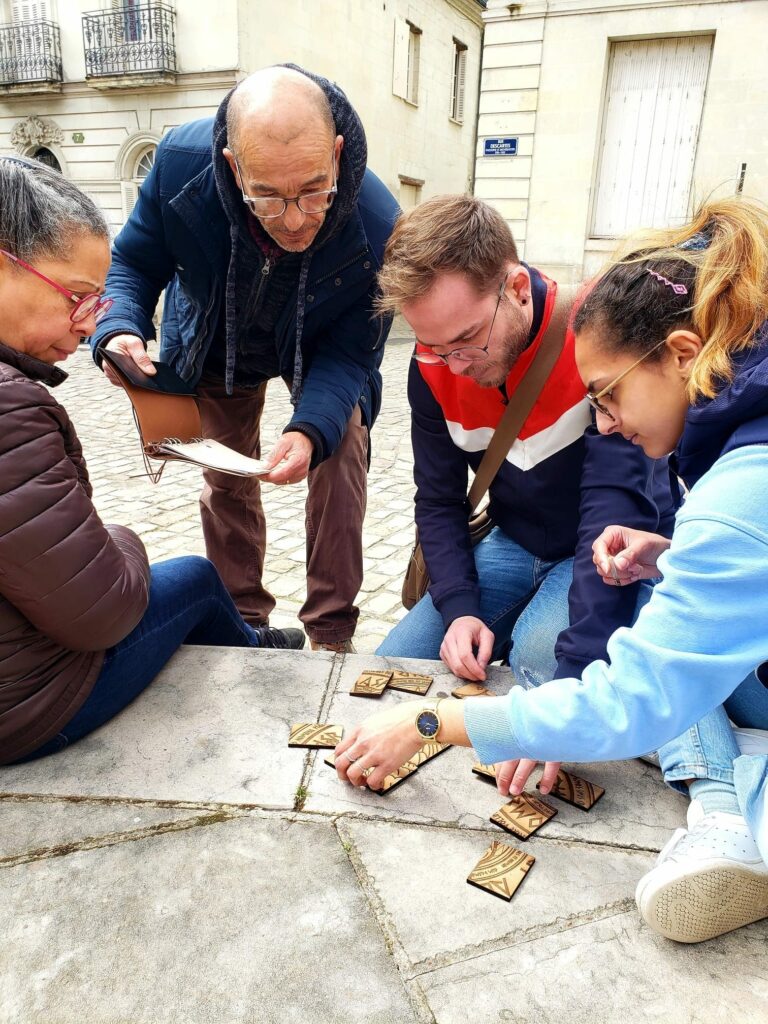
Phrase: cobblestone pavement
{"type": "Point", "coordinates": [166, 515]}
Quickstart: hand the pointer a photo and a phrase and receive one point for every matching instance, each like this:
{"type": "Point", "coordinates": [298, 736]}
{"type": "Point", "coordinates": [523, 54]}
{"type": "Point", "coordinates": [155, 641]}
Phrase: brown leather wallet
{"type": "Point", "coordinates": [159, 414]}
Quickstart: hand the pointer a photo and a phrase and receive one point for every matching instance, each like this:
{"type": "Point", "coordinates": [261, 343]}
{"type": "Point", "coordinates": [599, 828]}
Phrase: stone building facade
{"type": "Point", "coordinates": [92, 89]}
{"type": "Point", "coordinates": [620, 113]}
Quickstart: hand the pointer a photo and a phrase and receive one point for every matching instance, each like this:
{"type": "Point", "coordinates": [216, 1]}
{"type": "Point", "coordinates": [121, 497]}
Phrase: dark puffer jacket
{"type": "Point", "coordinates": [179, 238]}
{"type": "Point", "coordinates": [70, 587]}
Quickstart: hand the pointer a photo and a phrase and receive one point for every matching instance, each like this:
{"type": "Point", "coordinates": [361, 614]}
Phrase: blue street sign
{"type": "Point", "coordinates": [500, 147]}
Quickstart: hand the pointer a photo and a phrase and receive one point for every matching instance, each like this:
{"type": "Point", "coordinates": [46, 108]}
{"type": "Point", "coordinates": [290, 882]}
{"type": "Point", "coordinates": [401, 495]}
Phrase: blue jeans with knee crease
{"type": "Point", "coordinates": [187, 604]}
{"type": "Point", "coordinates": [523, 599]}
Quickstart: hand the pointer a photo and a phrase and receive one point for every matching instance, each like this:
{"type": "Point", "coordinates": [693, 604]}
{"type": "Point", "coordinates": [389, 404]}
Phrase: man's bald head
{"type": "Point", "coordinates": [278, 104]}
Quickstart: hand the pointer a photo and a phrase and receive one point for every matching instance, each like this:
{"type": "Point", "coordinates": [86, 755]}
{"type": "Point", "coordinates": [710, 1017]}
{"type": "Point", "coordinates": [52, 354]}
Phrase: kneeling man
{"type": "Point", "coordinates": [479, 314]}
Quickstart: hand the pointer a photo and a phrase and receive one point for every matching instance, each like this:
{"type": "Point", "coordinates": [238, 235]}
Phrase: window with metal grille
{"type": "Point", "coordinates": [652, 112]}
{"type": "Point", "coordinates": [459, 81]}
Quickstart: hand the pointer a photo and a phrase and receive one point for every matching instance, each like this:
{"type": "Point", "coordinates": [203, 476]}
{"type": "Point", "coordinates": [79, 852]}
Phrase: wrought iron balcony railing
{"type": "Point", "coordinates": [137, 39]}
{"type": "Point", "coordinates": [30, 52]}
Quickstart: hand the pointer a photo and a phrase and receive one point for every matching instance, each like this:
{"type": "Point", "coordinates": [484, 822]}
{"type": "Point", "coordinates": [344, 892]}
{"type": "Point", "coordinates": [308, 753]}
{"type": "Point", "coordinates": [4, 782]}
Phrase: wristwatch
{"type": "Point", "coordinates": [428, 722]}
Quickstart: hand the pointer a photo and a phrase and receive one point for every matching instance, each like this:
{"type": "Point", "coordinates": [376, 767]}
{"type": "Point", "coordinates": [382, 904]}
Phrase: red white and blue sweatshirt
{"type": "Point", "coordinates": [560, 485]}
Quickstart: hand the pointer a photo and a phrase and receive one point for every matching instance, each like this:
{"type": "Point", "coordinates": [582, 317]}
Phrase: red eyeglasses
{"type": "Point", "coordinates": [89, 305]}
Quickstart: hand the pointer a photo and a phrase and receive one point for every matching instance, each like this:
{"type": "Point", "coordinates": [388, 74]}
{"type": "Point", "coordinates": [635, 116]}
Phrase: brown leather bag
{"type": "Point", "coordinates": [416, 581]}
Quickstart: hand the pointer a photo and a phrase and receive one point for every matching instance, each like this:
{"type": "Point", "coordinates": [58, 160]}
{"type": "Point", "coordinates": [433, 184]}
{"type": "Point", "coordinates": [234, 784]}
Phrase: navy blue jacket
{"type": "Point", "coordinates": [177, 238]}
{"type": "Point", "coordinates": [559, 487]}
{"type": "Point", "coordinates": [735, 417]}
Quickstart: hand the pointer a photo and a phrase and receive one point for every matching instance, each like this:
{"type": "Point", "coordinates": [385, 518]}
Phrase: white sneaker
{"type": "Point", "coordinates": [708, 880]}
{"type": "Point", "coordinates": [752, 741]}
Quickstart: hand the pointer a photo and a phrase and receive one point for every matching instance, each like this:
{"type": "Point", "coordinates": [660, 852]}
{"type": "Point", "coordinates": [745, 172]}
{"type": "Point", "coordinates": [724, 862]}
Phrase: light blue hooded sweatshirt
{"type": "Point", "coordinates": [704, 630]}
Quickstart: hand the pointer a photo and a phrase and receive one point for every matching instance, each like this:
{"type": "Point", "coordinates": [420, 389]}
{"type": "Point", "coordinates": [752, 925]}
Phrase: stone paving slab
{"type": "Point", "coordinates": [139, 886]}
{"type": "Point", "coordinates": [214, 924]}
{"type": "Point", "coordinates": [32, 827]}
{"type": "Point", "coordinates": [418, 874]}
{"type": "Point", "coordinates": [636, 811]}
{"type": "Point", "coordinates": [212, 727]}
{"type": "Point", "coordinates": [614, 971]}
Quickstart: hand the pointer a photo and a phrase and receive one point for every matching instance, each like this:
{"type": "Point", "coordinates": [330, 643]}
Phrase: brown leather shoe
{"type": "Point", "coordinates": [342, 647]}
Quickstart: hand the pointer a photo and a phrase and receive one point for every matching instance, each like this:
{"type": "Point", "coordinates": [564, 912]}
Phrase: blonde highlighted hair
{"type": "Point", "coordinates": [445, 234]}
{"type": "Point", "coordinates": [710, 276]}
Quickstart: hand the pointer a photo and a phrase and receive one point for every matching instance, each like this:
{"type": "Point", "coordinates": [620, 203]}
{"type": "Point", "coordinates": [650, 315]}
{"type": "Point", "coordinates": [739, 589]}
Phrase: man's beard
{"type": "Point", "coordinates": [492, 373]}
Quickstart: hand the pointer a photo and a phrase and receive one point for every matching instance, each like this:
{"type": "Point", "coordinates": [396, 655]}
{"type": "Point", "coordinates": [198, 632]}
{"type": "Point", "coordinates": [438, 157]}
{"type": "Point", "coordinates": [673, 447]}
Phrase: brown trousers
{"type": "Point", "coordinates": [235, 528]}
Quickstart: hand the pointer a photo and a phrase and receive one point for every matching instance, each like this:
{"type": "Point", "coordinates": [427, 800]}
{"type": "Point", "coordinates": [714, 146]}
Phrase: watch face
{"type": "Point", "coordinates": [428, 723]}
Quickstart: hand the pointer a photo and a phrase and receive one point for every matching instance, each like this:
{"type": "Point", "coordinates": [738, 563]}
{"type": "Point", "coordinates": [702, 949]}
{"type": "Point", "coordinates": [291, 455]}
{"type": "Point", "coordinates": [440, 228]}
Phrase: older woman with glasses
{"type": "Point", "coordinates": [672, 346]}
{"type": "Point", "coordinates": [85, 622]}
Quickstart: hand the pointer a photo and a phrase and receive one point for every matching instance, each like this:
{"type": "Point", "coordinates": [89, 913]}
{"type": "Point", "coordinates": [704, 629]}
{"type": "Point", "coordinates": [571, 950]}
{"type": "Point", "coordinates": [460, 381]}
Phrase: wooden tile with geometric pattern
{"type": "Point", "coordinates": [471, 690]}
{"type": "Point", "coordinates": [575, 790]}
{"type": "Point", "coordinates": [315, 736]}
{"type": "Point", "coordinates": [410, 682]}
{"type": "Point", "coordinates": [523, 815]}
{"type": "Point", "coordinates": [371, 683]}
{"type": "Point", "coordinates": [429, 750]}
{"type": "Point", "coordinates": [501, 870]}
{"type": "Point", "coordinates": [390, 781]}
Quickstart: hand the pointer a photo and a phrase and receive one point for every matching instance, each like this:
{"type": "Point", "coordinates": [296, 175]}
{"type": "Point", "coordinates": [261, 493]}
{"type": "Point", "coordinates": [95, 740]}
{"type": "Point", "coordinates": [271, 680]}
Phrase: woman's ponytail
{"type": "Point", "coordinates": [710, 276]}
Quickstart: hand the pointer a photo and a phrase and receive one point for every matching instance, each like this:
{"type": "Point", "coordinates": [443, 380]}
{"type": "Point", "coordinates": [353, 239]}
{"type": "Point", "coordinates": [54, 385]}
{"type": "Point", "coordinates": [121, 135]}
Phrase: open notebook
{"type": "Point", "coordinates": [168, 421]}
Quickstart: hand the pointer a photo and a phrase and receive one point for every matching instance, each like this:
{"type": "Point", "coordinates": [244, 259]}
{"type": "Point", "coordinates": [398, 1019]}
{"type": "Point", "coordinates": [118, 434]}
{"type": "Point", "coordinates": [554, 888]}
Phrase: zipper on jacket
{"type": "Point", "coordinates": [254, 304]}
{"type": "Point", "coordinates": [265, 272]}
{"type": "Point", "coordinates": [338, 270]}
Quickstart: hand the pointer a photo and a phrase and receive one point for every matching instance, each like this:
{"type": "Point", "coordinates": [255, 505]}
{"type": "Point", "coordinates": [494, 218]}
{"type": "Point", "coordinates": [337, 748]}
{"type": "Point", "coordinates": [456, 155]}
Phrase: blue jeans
{"type": "Point", "coordinates": [523, 599]}
{"type": "Point", "coordinates": [708, 749]}
{"type": "Point", "coordinates": [187, 604]}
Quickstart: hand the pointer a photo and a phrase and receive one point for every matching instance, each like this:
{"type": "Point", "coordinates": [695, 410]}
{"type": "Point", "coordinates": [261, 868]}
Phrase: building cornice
{"type": "Point", "coordinates": [504, 12]}
{"type": "Point", "coordinates": [190, 82]}
{"type": "Point", "coordinates": [470, 9]}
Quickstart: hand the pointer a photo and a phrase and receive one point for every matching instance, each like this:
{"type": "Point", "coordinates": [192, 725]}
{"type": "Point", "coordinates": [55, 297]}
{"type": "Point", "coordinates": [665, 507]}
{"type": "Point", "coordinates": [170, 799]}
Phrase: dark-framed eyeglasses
{"type": "Point", "coordinates": [86, 305]}
{"type": "Point", "coordinates": [594, 400]}
{"type": "Point", "coordinates": [470, 354]}
{"type": "Point", "coordinates": [270, 207]}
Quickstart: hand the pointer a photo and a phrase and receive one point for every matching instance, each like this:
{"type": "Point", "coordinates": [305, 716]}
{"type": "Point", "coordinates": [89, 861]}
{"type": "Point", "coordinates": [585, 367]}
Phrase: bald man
{"type": "Point", "coordinates": [266, 231]}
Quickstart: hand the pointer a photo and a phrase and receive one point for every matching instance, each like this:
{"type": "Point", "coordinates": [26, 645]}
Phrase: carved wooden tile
{"type": "Point", "coordinates": [429, 750]}
{"type": "Point", "coordinates": [396, 777]}
{"type": "Point", "coordinates": [485, 771]}
{"type": "Point", "coordinates": [523, 815]}
{"type": "Point", "coordinates": [315, 735]}
{"type": "Point", "coordinates": [471, 690]}
{"type": "Point", "coordinates": [501, 869]}
{"type": "Point", "coordinates": [371, 683]}
{"type": "Point", "coordinates": [410, 682]}
{"type": "Point", "coordinates": [390, 781]}
{"type": "Point", "coordinates": [576, 791]}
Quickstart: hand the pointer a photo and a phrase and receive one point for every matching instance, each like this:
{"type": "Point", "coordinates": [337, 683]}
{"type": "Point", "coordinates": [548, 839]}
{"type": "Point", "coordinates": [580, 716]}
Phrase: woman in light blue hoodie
{"type": "Point", "coordinates": [672, 345]}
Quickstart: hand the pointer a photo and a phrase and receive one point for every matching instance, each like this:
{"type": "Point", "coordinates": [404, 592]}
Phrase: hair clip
{"type": "Point", "coordinates": [701, 240]}
{"type": "Point", "coordinates": [678, 289]}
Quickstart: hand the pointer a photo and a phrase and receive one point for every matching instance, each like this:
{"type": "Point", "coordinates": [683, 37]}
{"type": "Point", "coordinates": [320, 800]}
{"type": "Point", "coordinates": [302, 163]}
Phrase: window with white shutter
{"type": "Point", "coordinates": [652, 112]}
{"type": "Point", "coordinates": [459, 81]}
{"type": "Point", "coordinates": [405, 70]}
{"type": "Point", "coordinates": [130, 189]}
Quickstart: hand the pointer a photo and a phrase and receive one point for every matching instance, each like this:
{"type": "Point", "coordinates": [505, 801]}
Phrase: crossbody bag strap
{"type": "Point", "coordinates": [524, 398]}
